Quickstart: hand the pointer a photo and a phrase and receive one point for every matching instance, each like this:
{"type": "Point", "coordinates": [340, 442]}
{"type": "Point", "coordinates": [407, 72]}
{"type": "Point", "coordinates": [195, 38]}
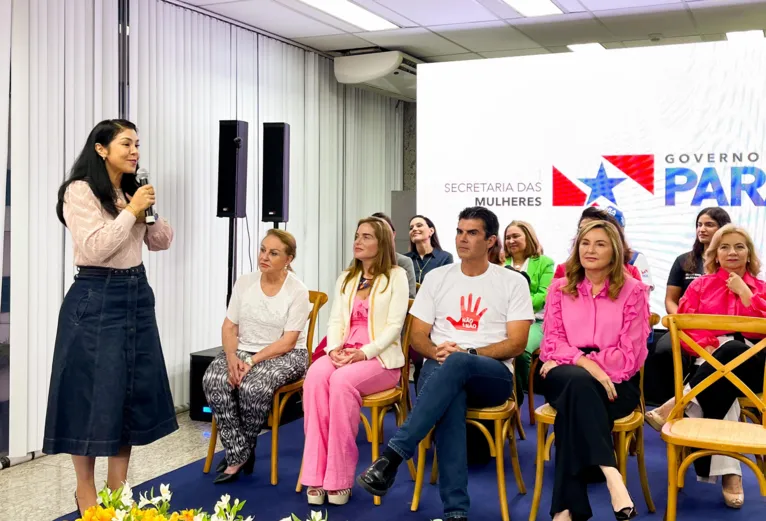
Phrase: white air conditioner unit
{"type": "Point", "coordinates": [391, 73]}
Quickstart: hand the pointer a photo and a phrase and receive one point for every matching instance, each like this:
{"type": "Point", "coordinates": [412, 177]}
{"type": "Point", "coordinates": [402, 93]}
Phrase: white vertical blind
{"type": "Point", "coordinates": [91, 83]}
{"type": "Point", "coordinates": [373, 156]}
{"type": "Point", "coordinates": [64, 62]}
{"type": "Point", "coordinates": [37, 165]}
{"type": "Point", "coordinates": [182, 83]}
{"type": "Point", "coordinates": [5, 84]}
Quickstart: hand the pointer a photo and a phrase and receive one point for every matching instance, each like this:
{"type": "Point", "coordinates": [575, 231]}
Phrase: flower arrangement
{"type": "Point", "coordinates": [118, 505]}
{"type": "Point", "coordinates": [315, 516]}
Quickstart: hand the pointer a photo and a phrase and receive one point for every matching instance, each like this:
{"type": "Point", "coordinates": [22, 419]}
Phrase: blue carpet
{"type": "Point", "coordinates": [192, 489]}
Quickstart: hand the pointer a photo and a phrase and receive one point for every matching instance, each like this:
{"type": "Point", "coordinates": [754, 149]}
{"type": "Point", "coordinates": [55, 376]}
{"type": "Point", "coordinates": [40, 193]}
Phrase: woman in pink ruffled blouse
{"type": "Point", "coordinates": [729, 288]}
{"type": "Point", "coordinates": [594, 344]}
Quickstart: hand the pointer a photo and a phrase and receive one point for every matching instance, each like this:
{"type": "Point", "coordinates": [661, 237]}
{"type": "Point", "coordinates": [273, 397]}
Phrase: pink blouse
{"type": "Point", "coordinates": [708, 295]}
{"type": "Point", "coordinates": [102, 240]}
{"type": "Point", "coordinates": [618, 328]}
{"type": "Point", "coordinates": [358, 333]}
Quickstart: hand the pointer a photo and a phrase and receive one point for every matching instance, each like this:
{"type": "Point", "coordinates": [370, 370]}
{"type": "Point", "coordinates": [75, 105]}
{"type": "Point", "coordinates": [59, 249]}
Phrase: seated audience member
{"type": "Point", "coordinates": [594, 344]}
{"type": "Point", "coordinates": [470, 320]}
{"type": "Point", "coordinates": [402, 261]}
{"type": "Point", "coordinates": [638, 259]}
{"type": "Point", "coordinates": [729, 288]}
{"type": "Point", "coordinates": [690, 265]}
{"type": "Point", "coordinates": [426, 254]}
{"type": "Point", "coordinates": [524, 252]}
{"type": "Point", "coordinates": [591, 214]}
{"type": "Point", "coordinates": [264, 348]}
{"type": "Point", "coordinates": [364, 356]}
{"type": "Point", "coordinates": [425, 251]}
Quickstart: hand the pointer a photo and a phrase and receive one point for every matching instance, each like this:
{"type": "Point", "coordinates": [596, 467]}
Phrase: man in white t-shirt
{"type": "Point", "coordinates": [470, 320]}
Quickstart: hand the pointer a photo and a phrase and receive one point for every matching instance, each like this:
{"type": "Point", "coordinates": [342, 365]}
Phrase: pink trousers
{"type": "Point", "coordinates": [332, 399]}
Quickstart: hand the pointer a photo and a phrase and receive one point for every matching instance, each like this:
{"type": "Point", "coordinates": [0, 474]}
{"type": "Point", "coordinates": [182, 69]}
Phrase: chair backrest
{"type": "Point", "coordinates": [405, 380]}
{"type": "Point", "coordinates": [317, 299]}
{"type": "Point", "coordinates": [679, 324]}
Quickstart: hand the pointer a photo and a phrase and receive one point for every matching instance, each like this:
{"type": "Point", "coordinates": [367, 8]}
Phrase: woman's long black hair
{"type": "Point", "coordinates": [89, 167]}
{"type": "Point", "coordinates": [720, 216]}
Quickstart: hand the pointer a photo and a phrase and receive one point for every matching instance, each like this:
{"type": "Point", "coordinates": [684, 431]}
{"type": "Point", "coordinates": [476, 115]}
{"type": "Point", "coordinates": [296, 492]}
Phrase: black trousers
{"type": "Point", "coordinates": [716, 400]}
{"type": "Point", "coordinates": [583, 428]}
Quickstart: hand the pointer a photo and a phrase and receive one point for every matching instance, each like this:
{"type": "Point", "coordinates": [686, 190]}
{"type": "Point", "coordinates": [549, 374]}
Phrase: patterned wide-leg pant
{"type": "Point", "coordinates": [242, 413]}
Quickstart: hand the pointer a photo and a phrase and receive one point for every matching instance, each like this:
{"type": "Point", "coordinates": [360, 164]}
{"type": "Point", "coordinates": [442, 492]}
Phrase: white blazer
{"type": "Point", "coordinates": [387, 312]}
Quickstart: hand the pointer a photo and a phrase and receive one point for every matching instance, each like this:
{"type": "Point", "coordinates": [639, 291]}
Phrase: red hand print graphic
{"type": "Point", "coordinates": [469, 318]}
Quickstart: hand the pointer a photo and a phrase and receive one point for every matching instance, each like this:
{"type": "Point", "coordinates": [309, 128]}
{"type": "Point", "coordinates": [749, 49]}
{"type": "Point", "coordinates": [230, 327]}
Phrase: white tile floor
{"type": "Point", "coordinates": [21, 485]}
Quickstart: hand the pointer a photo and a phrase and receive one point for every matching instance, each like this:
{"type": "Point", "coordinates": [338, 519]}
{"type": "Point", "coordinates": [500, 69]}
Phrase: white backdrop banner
{"type": "Point", "coordinates": [657, 133]}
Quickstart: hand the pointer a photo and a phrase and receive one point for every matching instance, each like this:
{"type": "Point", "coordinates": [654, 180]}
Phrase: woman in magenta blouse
{"type": "Point", "coordinates": [594, 344]}
{"type": "Point", "coordinates": [729, 288]}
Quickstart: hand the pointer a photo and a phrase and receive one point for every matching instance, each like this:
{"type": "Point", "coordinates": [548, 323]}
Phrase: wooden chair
{"type": "Point", "coordinates": [384, 401]}
{"type": "Point", "coordinates": [710, 436]}
{"type": "Point", "coordinates": [629, 437]}
{"type": "Point", "coordinates": [504, 418]}
{"type": "Point", "coordinates": [281, 396]}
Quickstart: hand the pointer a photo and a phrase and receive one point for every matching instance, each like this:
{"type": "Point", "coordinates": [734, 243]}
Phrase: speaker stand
{"type": "Point", "coordinates": [232, 259]}
{"type": "Point", "coordinates": [276, 226]}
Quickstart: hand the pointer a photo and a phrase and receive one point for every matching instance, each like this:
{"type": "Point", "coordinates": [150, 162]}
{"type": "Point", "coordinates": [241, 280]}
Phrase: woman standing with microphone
{"type": "Point", "coordinates": [109, 388]}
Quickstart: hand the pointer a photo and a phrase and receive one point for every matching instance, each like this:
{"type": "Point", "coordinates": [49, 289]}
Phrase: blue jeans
{"type": "Point", "coordinates": [445, 393]}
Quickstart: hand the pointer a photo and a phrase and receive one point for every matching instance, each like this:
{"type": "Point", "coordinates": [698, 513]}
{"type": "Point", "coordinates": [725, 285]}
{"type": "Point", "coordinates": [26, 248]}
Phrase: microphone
{"type": "Point", "coordinates": [142, 176]}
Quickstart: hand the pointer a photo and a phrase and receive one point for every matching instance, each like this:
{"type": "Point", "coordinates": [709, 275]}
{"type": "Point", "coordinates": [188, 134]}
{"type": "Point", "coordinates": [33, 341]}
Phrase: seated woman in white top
{"type": "Point", "coordinates": [264, 348]}
{"type": "Point", "coordinates": [364, 356]}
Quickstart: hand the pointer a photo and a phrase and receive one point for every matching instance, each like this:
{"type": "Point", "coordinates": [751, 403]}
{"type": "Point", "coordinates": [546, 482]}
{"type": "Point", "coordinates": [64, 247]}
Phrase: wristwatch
{"type": "Point", "coordinates": [249, 361]}
{"type": "Point", "coordinates": [472, 351]}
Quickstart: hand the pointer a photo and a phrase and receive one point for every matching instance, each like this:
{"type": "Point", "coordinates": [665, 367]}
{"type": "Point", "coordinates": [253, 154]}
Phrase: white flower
{"type": "Point", "coordinates": [249, 518]}
{"type": "Point", "coordinates": [119, 515]}
{"type": "Point", "coordinates": [199, 517]}
{"type": "Point", "coordinates": [143, 501]}
{"type": "Point", "coordinates": [127, 496]}
{"type": "Point", "coordinates": [165, 493]}
{"type": "Point", "coordinates": [316, 516]}
{"type": "Point", "coordinates": [223, 504]}
{"type": "Point", "coordinates": [156, 500]}
{"type": "Point", "coordinates": [285, 519]}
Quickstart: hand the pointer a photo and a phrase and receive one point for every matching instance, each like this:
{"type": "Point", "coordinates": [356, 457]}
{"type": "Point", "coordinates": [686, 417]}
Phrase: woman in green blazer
{"type": "Point", "coordinates": [523, 252]}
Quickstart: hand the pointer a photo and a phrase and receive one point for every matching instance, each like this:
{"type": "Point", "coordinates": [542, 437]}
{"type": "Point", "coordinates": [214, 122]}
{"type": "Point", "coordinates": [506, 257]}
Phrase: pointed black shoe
{"type": "Point", "coordinates": [378, 477]}
{"type": "Point", "coordinates": [247, 468]}
{"type": "Point", "coordinates": [221, 466]}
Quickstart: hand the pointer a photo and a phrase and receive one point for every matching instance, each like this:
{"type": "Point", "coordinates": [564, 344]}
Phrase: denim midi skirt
{"type": "Point", "coordinates": [109, 386]}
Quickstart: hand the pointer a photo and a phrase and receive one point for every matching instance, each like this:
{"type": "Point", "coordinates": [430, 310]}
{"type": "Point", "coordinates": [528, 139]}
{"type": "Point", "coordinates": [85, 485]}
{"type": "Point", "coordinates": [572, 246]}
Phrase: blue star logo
{"type": "Point", "coordinates": [601, 185]}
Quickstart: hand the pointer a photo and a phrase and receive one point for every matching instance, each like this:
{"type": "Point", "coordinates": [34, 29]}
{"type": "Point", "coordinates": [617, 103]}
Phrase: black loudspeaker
{"type": "Point", "coordinates": [276, 173]}
{"type": "Point", "coordinates": [232, 169]}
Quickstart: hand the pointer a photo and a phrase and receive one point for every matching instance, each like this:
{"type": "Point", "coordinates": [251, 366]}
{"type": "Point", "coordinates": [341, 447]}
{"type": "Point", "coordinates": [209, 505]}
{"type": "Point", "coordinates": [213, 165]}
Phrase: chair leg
{"type": "Point", "coordinates": [670, 512]}
{"type": "Point", "coordinates": [517, 422]}
{"type": "Point", "coordinates": [622, 456]}
{"type": "Point", "coordinates": [211, 446]}
{"type": "Point", "coordinates": [539, 467]}
{"type": "Point", "coordinates": [275, 418]}
{"type": "Point", "coordinates": [434, 470]}
{"type": "Point", "coordinates": [549, 444]}
{"type": "Point", "coordinates": [375, 431]}
{"type": "Point", "coordinates": [499, 457]}
{"type": "Point", "coordinates": [515, 461]}
{"type": "Point", "coordinates": [367, 428]}
{"type": "Point", "coordinates": [642, 470]}
{"type": "Point", "coordinates": [531, 388]}
{"type": "Point", "coordinates": [299, 486]}
{"type": "Point", "coordinates": [419, 476]}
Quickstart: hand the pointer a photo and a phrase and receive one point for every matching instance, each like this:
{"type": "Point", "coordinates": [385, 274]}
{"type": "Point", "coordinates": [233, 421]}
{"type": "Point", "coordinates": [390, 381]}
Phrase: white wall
{"type": "Point", "coordinates": [187, 72]}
